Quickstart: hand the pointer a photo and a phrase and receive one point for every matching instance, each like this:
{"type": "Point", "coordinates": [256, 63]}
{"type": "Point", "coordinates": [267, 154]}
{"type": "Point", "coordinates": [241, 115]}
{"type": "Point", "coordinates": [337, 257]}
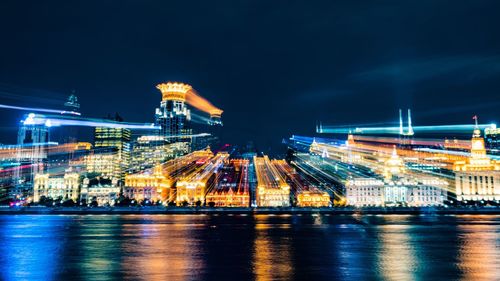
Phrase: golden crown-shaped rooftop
{"type": "Point", "coordinates": [174, 91]}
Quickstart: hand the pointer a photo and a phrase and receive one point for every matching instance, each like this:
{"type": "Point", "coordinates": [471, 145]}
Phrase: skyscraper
{"type": "Point", "coordinates": [67, 134]}
{"type": "Point", "coordinates": [32, 150]}
{"type": "Point", "coordinates": [492, 140]}
{"type": "Point", "coordinates": [173, 115]}
{"type": "Point", "coordinates": [119, 138]}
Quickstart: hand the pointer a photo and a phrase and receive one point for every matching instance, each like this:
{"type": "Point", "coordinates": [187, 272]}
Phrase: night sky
{"type": "Point", "coordinates": [274, 67]}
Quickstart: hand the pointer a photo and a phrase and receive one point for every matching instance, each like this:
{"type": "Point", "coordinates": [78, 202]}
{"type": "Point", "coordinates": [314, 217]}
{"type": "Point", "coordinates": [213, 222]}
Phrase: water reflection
{"type": "Point", "coordinates": [201, 247]}
{"type": "Point", "coordinates": [160, 249]}
{"type": "Point", "coordinates": [397, 260]}
{"type": "Point", "coordinates": [31, 247]}
{"type": "Point", "coordinates": [479, 252]}
{"type": "Point", "coordinates": [272, 258]}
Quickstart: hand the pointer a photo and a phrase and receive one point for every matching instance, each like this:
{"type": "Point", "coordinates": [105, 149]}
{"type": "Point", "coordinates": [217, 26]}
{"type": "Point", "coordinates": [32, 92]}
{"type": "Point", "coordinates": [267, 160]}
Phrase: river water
{"type": "Point", "coordinates": [246, 247]}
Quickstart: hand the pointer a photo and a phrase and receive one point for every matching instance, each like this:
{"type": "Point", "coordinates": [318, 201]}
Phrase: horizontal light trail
{"type": "Point", "coordinates": [38, 109]}
{"type": "Point", "coordinates": [395, 130]}
{"type": "Point", "coordinates": [56, 121]}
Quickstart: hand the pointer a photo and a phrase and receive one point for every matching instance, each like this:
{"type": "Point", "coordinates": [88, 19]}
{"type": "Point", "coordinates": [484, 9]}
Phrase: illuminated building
{"type": "Point", "coordinates": [455, 144]}
{"type": "Point", "coordinates": [104, 162]}
{"type": "Point", "coordinates": [64, 187]}
{"type": "Point", "coordinates": [427, 191]}
{"type": "Point", "coordinates": [365, 192]}
{"type": "Point", "coordinates": [149, 186]}
{"type": "Point", "coordinates": [192, 187]}
{"type": "Point", "coordinates": [119, 138]}
{"type": "Point", "coordinates": [272, 190]}
{"type": "Point", "coordinates": [394, 165]}
{"type": "Point", "coordinates": [215, 117]}
{"type": "Point", "coordinates": [478, 178]}
{"type": "Point", "coordinates": [492, 139]}
{"type": "Point", "coordinates": [305, 193]}
{"type": "Point", "coordinates": [32, 143]}
{"type": "Point", "coordinates": [232, 187]}
{"type": "Point", "coordinates": [313, 198]}
{"type": "Point", "coordinates": [150, 150]}
{"type": "Point", "coordinates": [413, 192]}
{"type": "Point", "coordinates": [33, 139]}
{"type": "Point", "coordinates": [103, 191]}
{"type": "Point", "coordinates": [157, 184]}
{"type": "Point", "coordinates": [397, 188]}
{"type": "Point", "coordinates": [173, 115]}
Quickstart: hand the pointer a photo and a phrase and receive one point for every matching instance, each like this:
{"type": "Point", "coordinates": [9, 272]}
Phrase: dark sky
{"type": "Point", "coordinates": [275, 67]}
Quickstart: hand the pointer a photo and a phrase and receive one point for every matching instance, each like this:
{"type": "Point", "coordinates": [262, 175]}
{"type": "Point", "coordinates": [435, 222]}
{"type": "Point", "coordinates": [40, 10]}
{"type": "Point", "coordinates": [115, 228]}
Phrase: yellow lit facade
{"type": "Point", "coordinates": [232, 194]}
{"type": "Point", "coordinates": [313, 198]}
{"type": "Point", "coordinates": [394, 165]}
{"type": "Point", "coordinates": [157, 184]}
{"type": "Point", "coordinates": [143, 186]}
{"type": "Point", "coordinates": [272, 190]}
{"type": "Point", "coordinates": [478, 178]}
{"type": "Point", "coordinates": [106, 164]}
{"type": "Point", "coordinates": [65, 187]}
{"type": "Point", "coordinates": [192, 187]}
{"type": "Point", "coordinates": [119, 138]}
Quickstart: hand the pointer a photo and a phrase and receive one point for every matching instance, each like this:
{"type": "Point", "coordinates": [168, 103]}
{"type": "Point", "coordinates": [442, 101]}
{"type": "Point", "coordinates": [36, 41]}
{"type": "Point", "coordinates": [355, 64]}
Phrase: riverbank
{"type": "Point", "coordinates": [231, 211]}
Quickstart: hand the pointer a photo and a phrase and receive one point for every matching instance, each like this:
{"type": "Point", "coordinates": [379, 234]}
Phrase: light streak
{"type": "Point", "coordinates": [56, 121]}
{"type": "Point", "coordinates": [37, 109]}
{"type": "Point", "coordinates": [395, 130]}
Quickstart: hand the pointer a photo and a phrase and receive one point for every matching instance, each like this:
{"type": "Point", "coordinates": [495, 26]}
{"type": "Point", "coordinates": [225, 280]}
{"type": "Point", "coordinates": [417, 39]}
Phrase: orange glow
{"type": "Point", "coordinates": [185, 93]}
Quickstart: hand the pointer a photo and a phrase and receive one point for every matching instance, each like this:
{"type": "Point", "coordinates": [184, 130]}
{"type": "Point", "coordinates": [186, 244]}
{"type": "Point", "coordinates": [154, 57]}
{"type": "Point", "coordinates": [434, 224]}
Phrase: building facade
{"type": "Point", "coordinates": [411, 192]}
{"type": "Point", "coordinates": [492, 139]}
{"type": "Point", "coordinates": [65, 187]}
{"type": "Point", "coordinates": [103, 191]}
{"type": "Point", "coordinates": [272, 190]}
{"type": "Point", "coordinates": [232, 186]}
{"type": "Point", "coordinates": [313, 198]}
{"type": "Point", "coordinates": [104, 162]}
{"type": "Point", "coordinates": [119, 138]}
{"type": "Point", "coordinates": [478, 178]}
{"type": "Point", "coordinates": [192, 187]}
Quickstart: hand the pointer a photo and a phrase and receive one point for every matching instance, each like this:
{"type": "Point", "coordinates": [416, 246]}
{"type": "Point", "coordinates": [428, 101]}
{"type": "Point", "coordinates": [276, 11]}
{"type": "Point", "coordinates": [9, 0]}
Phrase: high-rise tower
{"type": "Point", "coordinates": [173, 116]}
{"type": "Point", "coordinates": [119, 138]}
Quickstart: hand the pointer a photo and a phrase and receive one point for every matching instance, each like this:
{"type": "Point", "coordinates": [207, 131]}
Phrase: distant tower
{"type": "Point", "coordinates": [410, 128]}
{"type": "Point", "coordinates": [215, 117]}
{"type": "Point", "coordinates": [67, 134]}
{"type": "Point", "coordinates": [173, 115]}
{"type": "Point", "coordinates": [72, 105]}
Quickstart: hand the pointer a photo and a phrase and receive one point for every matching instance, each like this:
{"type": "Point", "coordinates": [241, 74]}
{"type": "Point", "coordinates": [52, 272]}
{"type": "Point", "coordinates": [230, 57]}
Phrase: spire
{"type": "Point", "coordinates": [477, 131]}
{"type": "Point", "coordinates": [394, 152]}
{"type": "Point", "coordinates": [410, 128]}
{"type": "Point", "coordinates": [400, 122]}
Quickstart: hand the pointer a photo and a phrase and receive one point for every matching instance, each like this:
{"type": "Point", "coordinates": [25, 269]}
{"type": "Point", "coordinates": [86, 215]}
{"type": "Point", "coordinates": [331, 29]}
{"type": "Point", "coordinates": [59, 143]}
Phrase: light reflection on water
{"type": "Point", "coordinates": [260, 247]}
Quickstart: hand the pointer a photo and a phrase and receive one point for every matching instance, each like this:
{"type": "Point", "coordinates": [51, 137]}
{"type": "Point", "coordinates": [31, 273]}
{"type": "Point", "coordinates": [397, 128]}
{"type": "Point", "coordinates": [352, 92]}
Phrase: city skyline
{"type": "Point", "coordinates": [249, 140]}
